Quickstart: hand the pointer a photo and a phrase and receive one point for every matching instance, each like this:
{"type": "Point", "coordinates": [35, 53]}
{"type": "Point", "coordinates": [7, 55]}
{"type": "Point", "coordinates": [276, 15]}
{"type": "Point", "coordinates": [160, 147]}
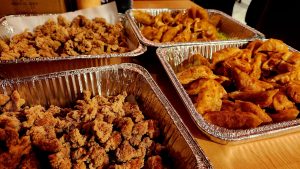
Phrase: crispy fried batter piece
{"type": "Point", "coordinates": [233, 119]}
{"type": "Point", "coordinates": [242, 106]}
{"type": "Point", "coordinates": [262, 98]}
{"type": "Point", "coordinates": [245, 83]}
{"type": "Point", "coordinates": [126, 152]}
{"type": "Point", "coordinates": [209, 97]}
{"type": "Point", "coordinates": [287, 77]}
{"type": "Point", "coordinates": [154, 162]}
{"type": "Point", "coordinates": [102, 130]}
{"type": "Point", "coordinates": [15, 103]}
{"type": "Point", "coordinates": [281, 101]}
{"type": "Point", "coordinates": [13, 156]}
{"type": "Point", "coordinates": [285, 115]}
{"type": "Point", "coordinates": [45, 138]}
{"type": "Point", "coordinates": [61, 159]}
{"type": "Point", "coordinates": [273, 45]}
{"type": "Point", "coordinates": [143, 17]}
{"type": "Point", "coordinates": [194, 73]}
{"type": "Point", "coordinates": [193, 60]}
{"type": "Point", "coordinates": [293, 91]}
{"type": "Point", "coordinates": [223, 54]}
{"type": "Point", "coordinates": [133, 163]}
{"type": "Point", "coordinates": [30, 161]}
{"type": "Point", "coordinates": [3, 99]}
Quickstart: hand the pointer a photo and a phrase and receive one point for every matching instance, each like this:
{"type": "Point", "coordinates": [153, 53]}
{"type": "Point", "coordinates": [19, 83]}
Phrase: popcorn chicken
{"type": "Point", "coordinates": [45, 138]}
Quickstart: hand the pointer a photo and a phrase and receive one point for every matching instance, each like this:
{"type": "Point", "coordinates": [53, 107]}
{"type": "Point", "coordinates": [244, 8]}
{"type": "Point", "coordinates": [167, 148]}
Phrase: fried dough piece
{"type": "Point", "coordinates": [261, 98]}
{"type": "Point", "coordinates": [171, 33]}
{"type": "Point", "coordinates": [287, 77]}
{"type": "Point", "coordinates": [281, 101]}
{"type": "Point", "coordinates": [3, 99]}
{"type": "Point", "coordinates": [273, 45]}
{"type": "Point", "coordinates": [223, 54]}
{"type": "Point", "coordinates": [243, 106]}
{"type": "Point", "coordinates": [284, 115]}
{"type": "Point", "coordinates": [143, 17]}
{"type": "Point", "coordinates": [193, 60]}
{"type": "Point", "coordinates": [256, 67]}
{"type": "Point", "coordinates": [209, 97]}
{"type": "Point", "coordinates": [233, 119]}
{"type": "Point", "coordinates": [246, 83]}
{"type": "Point", "coordinates": [194, 73]}
{"type": "Point", "coordinates": [293, 91]}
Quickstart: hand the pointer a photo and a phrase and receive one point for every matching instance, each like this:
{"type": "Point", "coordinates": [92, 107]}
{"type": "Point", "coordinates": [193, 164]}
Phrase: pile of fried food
{"type": "Point", "coordinates": [245, 88]}
{"type": "Point", "coordinates": [99, 132]}
{"type": "Point", "coordinates": [195, 24]}
{"type": "Point", "coordinates": [81, 36]}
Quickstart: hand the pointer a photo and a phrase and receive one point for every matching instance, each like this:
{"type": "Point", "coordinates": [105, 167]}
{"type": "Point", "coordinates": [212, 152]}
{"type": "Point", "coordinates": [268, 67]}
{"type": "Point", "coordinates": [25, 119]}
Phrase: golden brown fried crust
{"type": "Point", "coordinates": [192, 25]}
{"type": "Point", "coordinates": [100, 132]}
{"type": "Point", "coordinates": [62, 38]}
{"type": "Point", "coordinates": [262, 81]}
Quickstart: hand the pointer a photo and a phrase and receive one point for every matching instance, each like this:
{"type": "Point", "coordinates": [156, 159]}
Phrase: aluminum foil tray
{"type": "Point", "coordinates": [171, 58]}
{"type": "Point", "coordinates": [62, 88]}
{"type": "Point", "coordinates": [42, 65]}
{"type": "Point", "coordinates": [229, 26]}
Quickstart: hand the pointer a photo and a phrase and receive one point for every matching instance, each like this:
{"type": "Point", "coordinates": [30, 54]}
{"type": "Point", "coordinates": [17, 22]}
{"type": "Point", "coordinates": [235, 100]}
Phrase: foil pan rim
{"type": "Point", "coordinates": [136, 52]}
{"type": "Point", "coordinates": [219, 134]}
{"type": "Point", "coordinates": [258, 35]}
{"type": "Point", "coordinates": [202, 159]}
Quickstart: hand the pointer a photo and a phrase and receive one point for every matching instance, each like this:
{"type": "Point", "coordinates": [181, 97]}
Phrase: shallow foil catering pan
{"type": "Point", "coordinates": [62, 88]}
{"type": "Point", "coordinates": [229, 26]}
{"type": "Point", "coordinates": [27, 67]}
{"type": "Point", "coordinates": [171, 57]}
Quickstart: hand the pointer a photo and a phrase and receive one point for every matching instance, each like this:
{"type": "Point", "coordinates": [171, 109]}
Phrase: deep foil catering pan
{"type": "Point", "coordinates": [62, 88]}
{"type": "Point", "coordinates": [42, 65]}
{"type": "Point", "coordinates": [229, 26]}
{"type": "Point", "coordinates": [171, 58]}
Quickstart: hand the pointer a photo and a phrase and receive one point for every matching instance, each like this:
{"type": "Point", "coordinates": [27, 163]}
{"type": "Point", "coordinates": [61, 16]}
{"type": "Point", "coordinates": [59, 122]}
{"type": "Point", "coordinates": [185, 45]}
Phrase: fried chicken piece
{"type": "Point", "coordinates": [113, 142]}
{"type": "Point", "coordinates": [3, 46]}
{"type": "Point", "coordinates": [275, 59]}
{"type": "Point", "coordinates": [261, 98]}
{"type": "Point", "coordinates": [79, 154]}
{"type": "Point", "coordinates": [79, 165]}
{"type": "Point", "coordinates": [97, 157]}
{"type": "Point", "coordinates": [154, 162]}
{"type": "Point", "coordinates": [198, 12]}
{"type": "Point", "coordinates": [32, 114]}
{"type": "Point", "coordinates": [223, 54]}
{"type": "Point", "coordinates": [108, 115]}
{"type": "Point", "coordinates": [293, 91]}
{"type": "Point", "coordinates": [76, 139]}
{"type": "Point", "coordinates": [153, 129]}
{"type": "Point", "coordinates": [171, 33]}
{"type": "Point", "coordinates": [185, 35]}
{"type": "Point", "coordinates": [15, 103]}
{"type": "Point", "coordinates": [133, 111]}
{"type": "Point", "coordinates": [138, 131]}
{"type": "Point", "coordinates": [194, 73]}
{"type": "Point", "coordinates": [158, 22]}
{"type": "Point", "coordinates": [149, 32]}
{"type": "Point", "coordinates": [245, 83]}
{"type": "Point", "coordinates": [242, 106]}
{"type": "Point", "coordinates": [117, 104]}
{"type": "Point", "coordinates": [233, 119]}
{"type": "Point", "coordinates": [30, 161]}
{"type": "Point", "coordinates": [143, 18]}
{"type": "Point", "coordinates": [287, 77]}
{"type": "Point", "coordinates": [62, 21]}
{"type": "Point", "coordinates": [61, 159]}
{"type": "Point", "coordinates": [273, 45]}
{"type": "Point", "coordinates": [9, 130]}
{"type": "Point", "coordinates": [285, 115]}
{"type": "Point", "coordinates": [209, 97]}
{"type": "Point", "coordinates": [102, 130]}
{"type": "Point", "coordinates": [167, 18]}
{"type": "Point", "coordinates": [13, 156]}
{"type": "Point", "coordinates": [206, 29]}
{"type": "Point", "coordinates": [126, 125]}
{"type": "Point", "coordinates": [145, 147]}
{"type": "Point", "coordinates": [45, 138]}
{"type": "Point", "coordinates": [159, 33]}
{"type": "Point", "coordinates": [289, 64]}
{"type": "Point", "coordinates": [254, 45]}
{"type": "Point", "coordinates": [126, 152]}
{"type": "Point", "coordinates": [131, 164]}
{"type": "Point", "coordinates": [281, 101]}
